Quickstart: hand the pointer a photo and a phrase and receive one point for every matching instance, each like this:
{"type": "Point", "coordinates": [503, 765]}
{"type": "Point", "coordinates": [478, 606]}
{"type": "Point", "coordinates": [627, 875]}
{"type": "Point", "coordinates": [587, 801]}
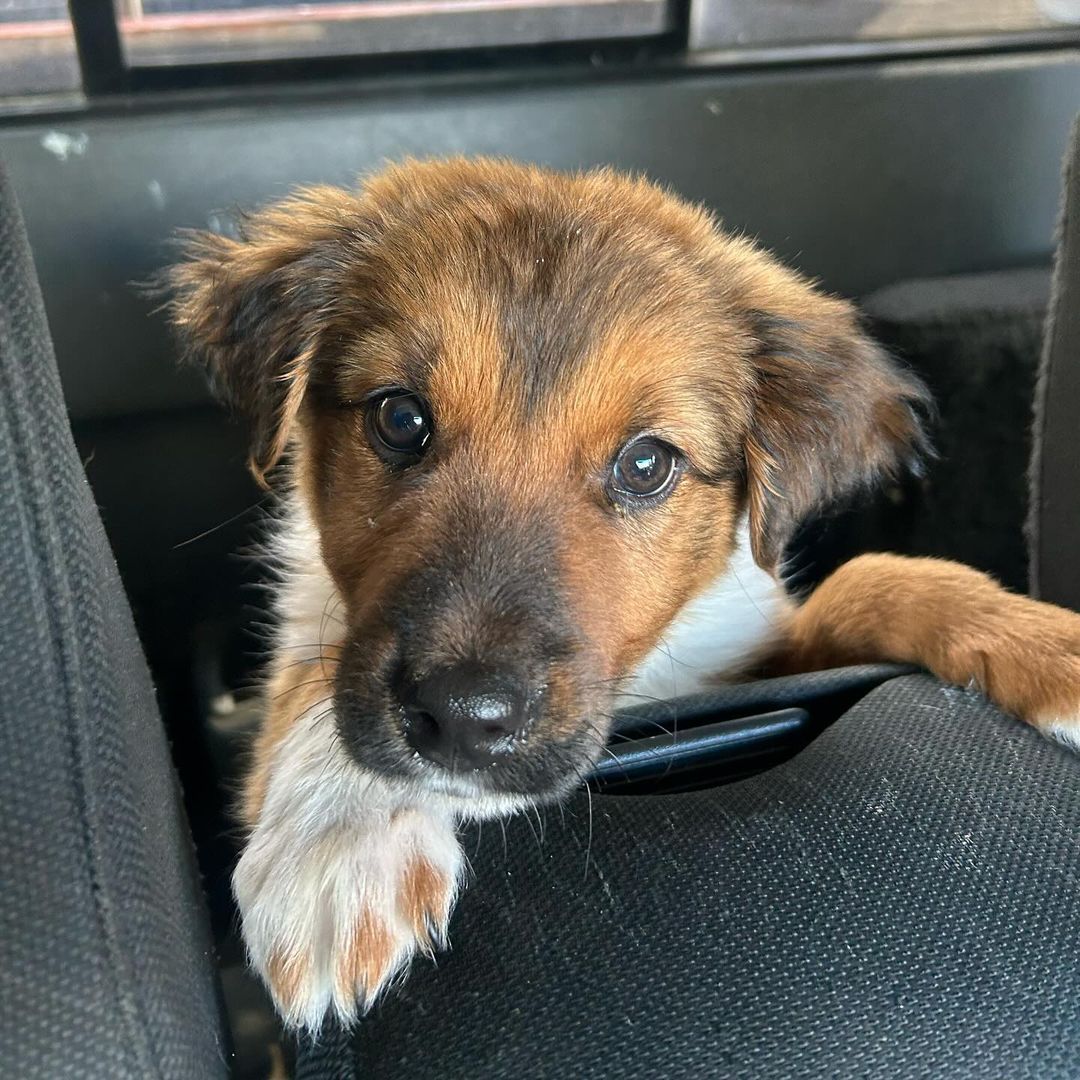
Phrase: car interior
{"type": "Point", "coordinates": [827, 875]}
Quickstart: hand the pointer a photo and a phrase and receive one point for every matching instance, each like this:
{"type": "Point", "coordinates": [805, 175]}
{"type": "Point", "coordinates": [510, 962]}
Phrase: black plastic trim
{"type": "Point", "coordinates": [724, 743]}
{"type": "Point", "coordinates": [714, 737]}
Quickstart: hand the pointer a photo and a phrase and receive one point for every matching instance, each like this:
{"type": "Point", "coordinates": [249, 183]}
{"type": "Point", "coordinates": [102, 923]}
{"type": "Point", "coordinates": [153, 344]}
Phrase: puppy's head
{"type": "Point", "coordinates": [527, 413]}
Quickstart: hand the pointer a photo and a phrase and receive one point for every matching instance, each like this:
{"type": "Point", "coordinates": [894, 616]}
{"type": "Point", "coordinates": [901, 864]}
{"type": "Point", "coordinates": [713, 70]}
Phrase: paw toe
{"type": "Point", "coordinates": [294, 986]}
{"type": "Point", "coordinates": [424, 902]}
{"type": "Point", "coordinates": [368, 959]}
{"type": "Point", "coordinates": [1065, 731]}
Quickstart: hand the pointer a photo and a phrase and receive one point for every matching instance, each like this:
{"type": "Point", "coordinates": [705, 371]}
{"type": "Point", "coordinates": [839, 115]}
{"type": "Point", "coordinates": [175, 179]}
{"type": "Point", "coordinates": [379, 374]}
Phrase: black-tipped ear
{"type": "Point", "coordinates": [254, 311]}
{"type": "Point", "coordinates": [832, 412]}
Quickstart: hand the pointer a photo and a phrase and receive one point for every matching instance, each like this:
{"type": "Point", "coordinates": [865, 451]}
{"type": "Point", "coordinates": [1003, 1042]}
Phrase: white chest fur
{"type": "Point", "coordinates": [716, 634]}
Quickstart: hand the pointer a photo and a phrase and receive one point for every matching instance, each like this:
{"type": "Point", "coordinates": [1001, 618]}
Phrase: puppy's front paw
{"type": "Point", "coordinates": [331, 917]}
{"type": "Point", "coordinates": [1031, 666]}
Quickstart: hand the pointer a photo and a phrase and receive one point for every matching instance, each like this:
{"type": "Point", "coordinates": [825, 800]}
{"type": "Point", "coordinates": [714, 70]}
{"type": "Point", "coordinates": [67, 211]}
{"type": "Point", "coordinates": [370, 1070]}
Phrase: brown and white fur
{"type": "Point", "coordinates": [546, 322]}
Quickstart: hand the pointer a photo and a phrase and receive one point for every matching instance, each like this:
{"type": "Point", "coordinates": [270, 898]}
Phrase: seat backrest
{"type": "Point", "coordinates": [107, 966]}
{"type": "Point", "coordinates": [1054, 516]}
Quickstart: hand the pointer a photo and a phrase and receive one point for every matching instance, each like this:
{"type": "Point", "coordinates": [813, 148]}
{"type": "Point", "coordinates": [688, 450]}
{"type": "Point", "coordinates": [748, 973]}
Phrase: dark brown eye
{"type": "Point", "coordinates": [399, 424]}
{"type": "Point", "coordinates": [643, 469]}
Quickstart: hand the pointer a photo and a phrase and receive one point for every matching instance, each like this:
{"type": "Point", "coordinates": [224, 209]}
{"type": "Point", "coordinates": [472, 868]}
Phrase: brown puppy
{"type": "Point", "coordinates": [545, 432]}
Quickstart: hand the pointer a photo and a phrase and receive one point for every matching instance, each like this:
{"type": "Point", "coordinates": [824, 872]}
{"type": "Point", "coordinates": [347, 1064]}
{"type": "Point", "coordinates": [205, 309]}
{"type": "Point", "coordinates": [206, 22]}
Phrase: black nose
{"type": "Point", "coordinates": [463, 717]}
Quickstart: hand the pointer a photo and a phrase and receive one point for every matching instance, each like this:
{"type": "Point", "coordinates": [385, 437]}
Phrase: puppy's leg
{"type": "Point", "coordinates": [344, 878]}
{"type": "Point", "coordinates": [956, 622]}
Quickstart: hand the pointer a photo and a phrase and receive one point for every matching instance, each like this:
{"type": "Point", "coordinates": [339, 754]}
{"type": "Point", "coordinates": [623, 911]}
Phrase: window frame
{"type": "Point", "coordinates": [108, 75]}
{"type": "Point", "coordinates": [107, 68]}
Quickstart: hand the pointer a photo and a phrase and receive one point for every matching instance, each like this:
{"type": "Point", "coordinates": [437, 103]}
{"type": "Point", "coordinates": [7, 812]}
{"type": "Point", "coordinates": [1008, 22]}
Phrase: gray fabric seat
{"type": "Point", "coordinates": [107, 966]}
{"type": "Point", "coordinates": [899, 900]}
{"type": "Point", "coordinates": [1054, 513]}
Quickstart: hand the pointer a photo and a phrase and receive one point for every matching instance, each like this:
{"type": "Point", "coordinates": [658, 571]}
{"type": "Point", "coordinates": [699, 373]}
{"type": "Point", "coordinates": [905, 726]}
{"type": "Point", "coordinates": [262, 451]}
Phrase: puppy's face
{"type": "Point", "coordinates": [528, 414]}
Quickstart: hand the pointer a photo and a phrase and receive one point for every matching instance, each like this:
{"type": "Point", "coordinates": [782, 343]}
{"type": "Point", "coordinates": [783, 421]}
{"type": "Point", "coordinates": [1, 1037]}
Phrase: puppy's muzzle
{"type": "Point", "coordinates": [464, 717]}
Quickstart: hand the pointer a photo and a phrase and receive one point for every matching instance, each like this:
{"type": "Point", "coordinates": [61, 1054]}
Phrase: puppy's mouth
{"type": "Point", "coordinates": [468, 730]}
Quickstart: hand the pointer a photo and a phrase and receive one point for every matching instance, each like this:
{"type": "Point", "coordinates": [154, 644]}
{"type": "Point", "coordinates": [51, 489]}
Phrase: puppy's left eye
{"type": "Point", "coordinates": [644, 469]}
{"type": "Point", "coordinates": [399, 426]}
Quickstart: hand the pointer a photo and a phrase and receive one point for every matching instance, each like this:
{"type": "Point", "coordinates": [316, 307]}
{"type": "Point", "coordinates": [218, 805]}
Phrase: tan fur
{"type": "Point", "coordinates": [287, 973]}
{"type": "Point", "coordinates": [949, 619]}
{"type": "Point", "coordinates": [422, 896]}
{"type": "Point", "coordinates": [295, 381]}
{"type": "Point", "coordinates": [368, 956]}
{"type": "Point", "coordinates": [292, 690]}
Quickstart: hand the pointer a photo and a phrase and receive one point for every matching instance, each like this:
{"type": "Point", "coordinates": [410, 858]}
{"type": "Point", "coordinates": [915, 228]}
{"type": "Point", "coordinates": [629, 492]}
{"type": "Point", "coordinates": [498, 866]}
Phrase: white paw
{"type": "Point", "coordinates": [330, 916]}
{"type": "Point", "coordinates": [1066, 731]}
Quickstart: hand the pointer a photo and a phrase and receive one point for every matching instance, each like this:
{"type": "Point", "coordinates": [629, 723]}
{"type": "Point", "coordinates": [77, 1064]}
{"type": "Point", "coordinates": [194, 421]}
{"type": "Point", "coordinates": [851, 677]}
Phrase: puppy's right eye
{"type": "Point", "coordinates": [399, 426]}
{"type": "Point", "coordinates": [643, 472]}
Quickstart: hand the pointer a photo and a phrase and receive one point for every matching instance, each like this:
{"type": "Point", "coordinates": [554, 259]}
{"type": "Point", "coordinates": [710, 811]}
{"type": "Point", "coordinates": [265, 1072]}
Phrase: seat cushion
{"type": "Point", "coordinates": [1054, 518]}
{"type": "Point", "coordinates": [898, 900]}
{"type": "Point", "coordinates": [107, 968]}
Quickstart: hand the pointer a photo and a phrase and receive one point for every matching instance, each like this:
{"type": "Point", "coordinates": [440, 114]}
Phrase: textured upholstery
{"type": "Point", "coordinates": [107, 968]}
{"type": "Point", "coordinates": [1054, 521]}
{"type": "Point", "coordinates": [976, 340]}
{"type": "Point", "coordinates": [899, 900]}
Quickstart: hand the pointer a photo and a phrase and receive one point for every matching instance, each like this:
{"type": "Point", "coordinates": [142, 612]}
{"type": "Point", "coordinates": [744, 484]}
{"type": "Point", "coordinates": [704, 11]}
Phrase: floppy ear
{"type": "Point", "coordinates": [832, 412]}
{"type": "Point", "coordinates": [254, 311]}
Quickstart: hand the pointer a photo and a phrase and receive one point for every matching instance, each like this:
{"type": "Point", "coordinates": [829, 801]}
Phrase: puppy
{"type": "Point", "coordinates": [542, 442]}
